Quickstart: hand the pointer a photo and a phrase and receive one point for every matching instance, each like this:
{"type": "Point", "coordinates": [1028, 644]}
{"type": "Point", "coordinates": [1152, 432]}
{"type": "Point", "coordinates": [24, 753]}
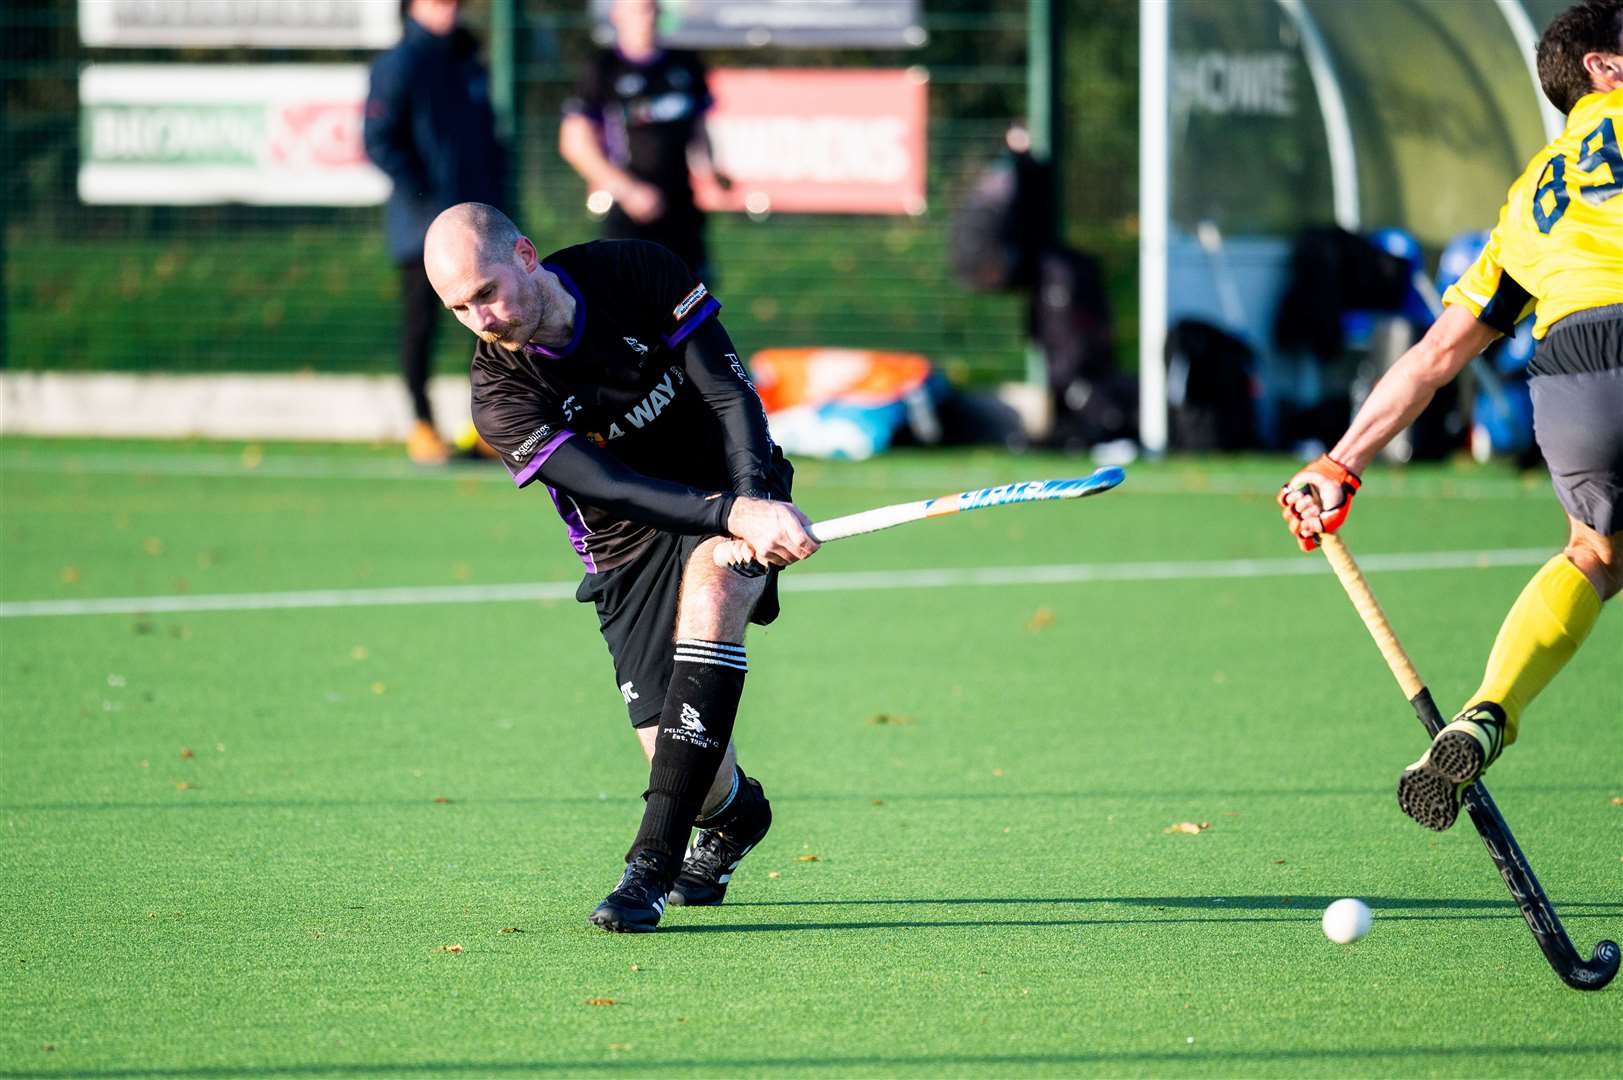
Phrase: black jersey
{"type": "Point", "coordinates": [628, 382]}
{"type": "Point", "coordinates": [647, 112]}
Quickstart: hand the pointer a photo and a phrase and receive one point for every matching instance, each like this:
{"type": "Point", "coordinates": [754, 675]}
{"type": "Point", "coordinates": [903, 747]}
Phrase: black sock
{"type": "Point", "coordinates": [694, 729]}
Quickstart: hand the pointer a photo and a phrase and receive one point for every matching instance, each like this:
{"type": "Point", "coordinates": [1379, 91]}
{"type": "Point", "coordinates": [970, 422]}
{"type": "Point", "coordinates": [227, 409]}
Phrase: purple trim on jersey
{"type": "Point", "coordinates": [526, 474]}
{"type": "Point", "coordinates": [580, 317]}
{"type": "Point", "coordinates": [707, 309]}
{"type": "Point", "coordinates": [578, 532]}
{"type": "Point", "coordinates": [616, 139]}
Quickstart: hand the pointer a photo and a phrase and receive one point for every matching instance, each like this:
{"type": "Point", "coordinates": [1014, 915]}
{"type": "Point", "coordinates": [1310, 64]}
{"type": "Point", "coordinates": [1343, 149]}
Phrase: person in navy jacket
{"type": "Point", "coordinates": [430, 127]}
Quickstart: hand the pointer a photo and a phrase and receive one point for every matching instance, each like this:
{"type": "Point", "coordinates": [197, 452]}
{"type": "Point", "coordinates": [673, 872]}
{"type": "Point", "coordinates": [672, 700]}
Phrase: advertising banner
{"type": "Point", "coordinates": [818, 141]}
{"type": "Point", "coordinates": [296, 24]}
{"type": "Point", "coordinates": [733, 24]}
{"type": "Point", "coordinates": [178, 134]}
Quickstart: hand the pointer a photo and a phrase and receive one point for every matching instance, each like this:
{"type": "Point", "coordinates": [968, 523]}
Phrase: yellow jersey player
{"type": "Point", "coordinates": [1557, 251]}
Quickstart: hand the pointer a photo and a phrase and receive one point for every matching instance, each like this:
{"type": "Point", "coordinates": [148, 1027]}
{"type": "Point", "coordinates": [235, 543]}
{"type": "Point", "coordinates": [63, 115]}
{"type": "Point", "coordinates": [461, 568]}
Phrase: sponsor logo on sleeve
{"type": "Point", "coordinates": [529, 444]}
{"type": "Point", "coordinates": [699, 293]}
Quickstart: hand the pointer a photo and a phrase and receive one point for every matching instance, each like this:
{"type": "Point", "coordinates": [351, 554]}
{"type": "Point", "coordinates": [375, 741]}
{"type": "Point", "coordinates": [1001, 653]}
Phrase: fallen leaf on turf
{"type": "Point", "coordinates": [619, 1046]}
{"type": "Point", "coordinates": [1040, 618]}
{"type": "Point", "coordinates": [879, 802]}
{"type": "Point", "coordinates": [187, 752]}
{"type": "Point", "coordinates": [153, 546]}
{"type": "Point", "coordinates": [1189, 827]}
{"type": "Point", "coordinates": [359, 653]}
{"type": "Point", "coordinates": [997, 772]}
{"type": "Point", "coordinates": [511, 930]}
{"type": "Point", "coordinates": [1617, 800]}
{"type": "Point", "coordinates": [600, 1001]}
{"type": "Point", "coordinates": [70, 575]}
{"type": "Point", "coordinates": [450, 948]}
{"type": "Point", "coordinates": [183, 785]}
{"type": "Point", "coordinates": [806, 858]}
{"type": "Point", "coordinates": [441, 799]}
{"type": "Point", "coordinates": [378, 688]}
{"type": "Point", "coordinates": [252, 457]}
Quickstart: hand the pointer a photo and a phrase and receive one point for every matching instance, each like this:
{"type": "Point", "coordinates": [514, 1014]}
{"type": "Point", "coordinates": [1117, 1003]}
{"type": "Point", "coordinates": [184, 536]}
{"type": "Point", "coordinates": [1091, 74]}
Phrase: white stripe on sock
{"type": "Point", "coordinates": [707, 660]}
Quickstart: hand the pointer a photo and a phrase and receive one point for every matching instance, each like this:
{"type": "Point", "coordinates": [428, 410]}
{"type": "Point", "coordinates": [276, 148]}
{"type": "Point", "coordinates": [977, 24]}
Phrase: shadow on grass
{"type": "Point", "coordinates": [1216, 909]}
{"type": "Point", "coordinates": [1209, 903]}
{"type": "Point", "coordinates": [997, 1063]}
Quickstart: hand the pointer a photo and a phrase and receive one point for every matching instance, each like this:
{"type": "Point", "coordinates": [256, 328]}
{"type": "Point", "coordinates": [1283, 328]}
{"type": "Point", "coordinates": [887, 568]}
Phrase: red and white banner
{"type": "Point", "coordinates": [818, 141]}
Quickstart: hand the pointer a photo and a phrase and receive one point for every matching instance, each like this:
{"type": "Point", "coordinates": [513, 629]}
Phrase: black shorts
{"type": "Point", "coordinates": [636, 610]}
{"type": "Point", "coordinates": [1577, 389]}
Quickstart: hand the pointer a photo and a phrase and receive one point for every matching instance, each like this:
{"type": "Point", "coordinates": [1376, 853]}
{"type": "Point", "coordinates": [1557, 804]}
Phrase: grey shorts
{"type": "Point", "coordinates": [1578, 421]}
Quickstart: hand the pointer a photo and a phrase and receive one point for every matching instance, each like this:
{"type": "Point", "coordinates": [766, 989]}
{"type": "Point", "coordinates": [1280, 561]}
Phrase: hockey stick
{"type": "Point", "coordinates": [1507, 857]}
{"type": "Point", "coordinates": [736, 555]}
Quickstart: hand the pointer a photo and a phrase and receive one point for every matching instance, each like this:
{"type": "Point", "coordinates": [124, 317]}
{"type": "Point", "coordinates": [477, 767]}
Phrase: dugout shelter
{"type": "Point", "coordinates": [1259, 118]}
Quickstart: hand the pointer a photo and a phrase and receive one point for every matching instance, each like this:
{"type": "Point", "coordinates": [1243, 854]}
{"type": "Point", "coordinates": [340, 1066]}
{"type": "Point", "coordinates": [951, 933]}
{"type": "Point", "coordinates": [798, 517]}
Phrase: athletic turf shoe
{"type": "Point", "coordinates": [635, 906]}
{"type": "Point", "coordinates": [717, 852]}
{"type": "Point", "coordinates": [1429, 790]}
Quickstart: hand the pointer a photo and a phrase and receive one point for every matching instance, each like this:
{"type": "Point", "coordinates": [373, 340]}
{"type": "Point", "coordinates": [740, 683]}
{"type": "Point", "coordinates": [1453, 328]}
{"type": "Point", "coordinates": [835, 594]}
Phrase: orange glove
{"type": "Point", "coordinates": [1307, 511]}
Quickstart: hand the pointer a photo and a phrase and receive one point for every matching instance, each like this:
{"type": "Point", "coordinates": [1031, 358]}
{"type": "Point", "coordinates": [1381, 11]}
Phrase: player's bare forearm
{"type": "Point", "coordinates": [1405, 390]}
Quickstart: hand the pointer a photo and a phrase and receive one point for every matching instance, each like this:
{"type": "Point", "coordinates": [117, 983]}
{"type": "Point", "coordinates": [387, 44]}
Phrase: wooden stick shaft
{"type": "Point", "coordinates": [1369, 609]}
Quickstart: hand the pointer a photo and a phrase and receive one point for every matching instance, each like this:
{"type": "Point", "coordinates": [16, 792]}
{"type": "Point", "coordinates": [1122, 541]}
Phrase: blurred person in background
{"type": "Point", "coordinates": [634, 128]}
{"type": "Point", "coordinates": [430, 127]}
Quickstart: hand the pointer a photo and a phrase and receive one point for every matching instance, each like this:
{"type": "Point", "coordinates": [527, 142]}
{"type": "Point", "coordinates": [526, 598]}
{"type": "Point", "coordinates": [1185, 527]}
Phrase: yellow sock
{"type": "Point", "coordinates": [1543, 630]}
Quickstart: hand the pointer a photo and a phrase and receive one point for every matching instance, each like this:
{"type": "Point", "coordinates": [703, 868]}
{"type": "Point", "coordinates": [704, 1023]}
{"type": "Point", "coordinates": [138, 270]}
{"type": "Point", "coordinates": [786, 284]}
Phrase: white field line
{"type": "Point", "coordinates": [877, 477]}
{"type": "Point", "coordinates": [810, 581]}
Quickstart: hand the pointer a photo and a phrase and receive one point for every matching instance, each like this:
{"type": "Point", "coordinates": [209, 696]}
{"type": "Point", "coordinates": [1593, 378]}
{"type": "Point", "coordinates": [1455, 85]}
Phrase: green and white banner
{"type": "Point", "coordinates": [180, 134]}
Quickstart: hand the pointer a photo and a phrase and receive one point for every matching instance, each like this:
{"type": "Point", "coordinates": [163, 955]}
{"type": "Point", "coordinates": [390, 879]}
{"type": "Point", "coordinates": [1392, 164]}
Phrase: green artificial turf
{"type": "Point", "coordinates": [245, 842]}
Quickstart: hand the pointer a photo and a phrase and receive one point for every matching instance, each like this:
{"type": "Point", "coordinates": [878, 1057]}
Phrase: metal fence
{"type": "Point", "coordinates": [245, 288]}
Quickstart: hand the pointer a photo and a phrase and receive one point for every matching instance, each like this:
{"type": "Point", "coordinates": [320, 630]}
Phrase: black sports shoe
{"type": "Point", "coordinates": [717, 852]}
{"type": "Point", "coordinates": [1430, 790]}
{"type": "Point", "coordinates": [635, 906]}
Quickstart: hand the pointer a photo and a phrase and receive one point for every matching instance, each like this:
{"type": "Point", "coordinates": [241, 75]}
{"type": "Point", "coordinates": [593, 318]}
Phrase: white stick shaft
{"type": "Point", "coordinates": [868, 521]}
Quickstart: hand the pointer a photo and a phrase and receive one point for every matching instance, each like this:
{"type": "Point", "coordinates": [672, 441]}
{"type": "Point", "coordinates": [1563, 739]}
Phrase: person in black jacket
{"type": "Point", "coordinates": [633, 128]}
{"type": "Point", "coordinates": [429, 125]}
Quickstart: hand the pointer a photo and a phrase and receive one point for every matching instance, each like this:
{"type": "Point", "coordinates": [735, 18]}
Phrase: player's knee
{"type": "Point", "coordinates": [716, 601]}
{"type": "Point", "coordinates": [1600, 558]}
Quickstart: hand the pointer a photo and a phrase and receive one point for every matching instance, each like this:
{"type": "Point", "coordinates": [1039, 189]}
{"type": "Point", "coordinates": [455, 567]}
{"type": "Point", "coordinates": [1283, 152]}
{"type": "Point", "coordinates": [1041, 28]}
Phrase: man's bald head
{"type": "Point", "coordinates": [487, 273]}
{"type": "Point", "coordinates": [479, 227]}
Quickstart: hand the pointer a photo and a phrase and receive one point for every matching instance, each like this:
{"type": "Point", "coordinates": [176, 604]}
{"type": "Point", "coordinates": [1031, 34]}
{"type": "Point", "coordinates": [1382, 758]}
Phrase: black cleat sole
{"type": "Point", "coordinates": [1429, 791]}
{"type": "Point", "coordinates": [1428, 797]}
{"type": "Point", "coordinates": [1457, 756]}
